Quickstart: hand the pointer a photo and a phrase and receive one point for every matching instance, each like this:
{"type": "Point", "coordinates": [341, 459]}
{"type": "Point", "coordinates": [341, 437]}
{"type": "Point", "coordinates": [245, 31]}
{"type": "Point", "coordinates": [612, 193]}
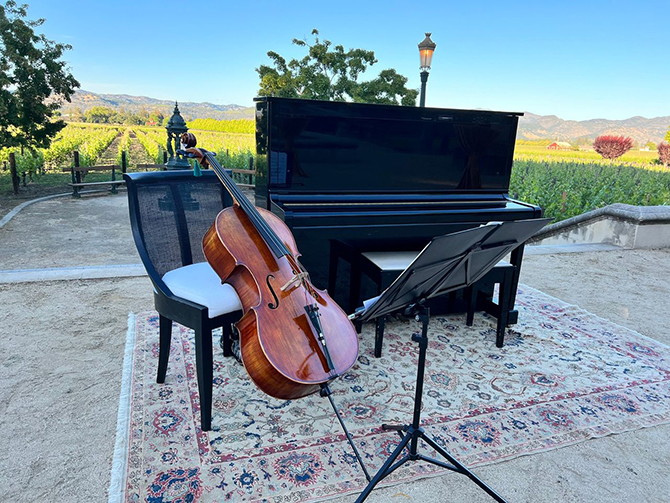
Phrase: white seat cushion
{"type": "Point", "coordinates": [200, 284]}
{"type": "Point", "coordinates": [398, 261]}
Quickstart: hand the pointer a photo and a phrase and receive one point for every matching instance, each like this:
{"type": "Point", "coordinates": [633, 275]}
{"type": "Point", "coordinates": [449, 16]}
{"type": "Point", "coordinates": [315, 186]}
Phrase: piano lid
{"type": "Point", "coordinates": [321, 147]}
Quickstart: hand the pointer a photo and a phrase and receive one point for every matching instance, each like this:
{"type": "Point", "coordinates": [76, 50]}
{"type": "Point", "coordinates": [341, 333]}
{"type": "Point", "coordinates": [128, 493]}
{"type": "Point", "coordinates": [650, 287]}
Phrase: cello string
{"type": "Point", "coordinates": [259, 222]}
{"type": "Point", "coordinates": [253, 213]}
{"type": "Point", "coordinates": [241, 199]}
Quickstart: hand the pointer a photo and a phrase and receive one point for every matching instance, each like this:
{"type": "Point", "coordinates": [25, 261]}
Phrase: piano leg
{"type": "Point", "coordinates": [506, 302]}
{"type": "Point", "coordinates": [515, 259]}
{"type": "Point", "coordinates": [379, 335]}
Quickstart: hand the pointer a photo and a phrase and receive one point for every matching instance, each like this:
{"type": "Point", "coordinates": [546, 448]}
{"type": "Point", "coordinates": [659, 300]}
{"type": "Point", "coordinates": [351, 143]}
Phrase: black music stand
{"type": "Point", "coordinates": [447, 263]}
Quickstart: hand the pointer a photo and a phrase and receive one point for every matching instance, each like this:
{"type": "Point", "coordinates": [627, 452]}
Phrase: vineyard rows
{"type": "Point", "coordinates": [91, 140]}
{"type": "Point", "coordinates": [565, 183]}
{"type": "Point", "coordinates": [568, 188]}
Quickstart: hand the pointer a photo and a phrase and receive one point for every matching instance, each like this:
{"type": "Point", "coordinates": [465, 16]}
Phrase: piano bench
{"type": "Point", "coordinates": [384, 267]}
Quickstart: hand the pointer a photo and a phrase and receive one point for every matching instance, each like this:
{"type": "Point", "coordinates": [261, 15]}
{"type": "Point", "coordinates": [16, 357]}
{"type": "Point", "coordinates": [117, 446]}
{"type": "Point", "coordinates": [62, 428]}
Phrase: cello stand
{"type": "Point", "coordinates": [413, 432]}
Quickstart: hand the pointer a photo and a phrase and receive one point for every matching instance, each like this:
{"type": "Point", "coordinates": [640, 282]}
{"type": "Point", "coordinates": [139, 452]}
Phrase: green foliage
{"type": "Point", "coordinates": [157, 117]}
{"type": "Point", "coordinates": [94, 146]}
{"type": "Point", "coordinates": [245, 126]}
{"type": "Point", "coordinates": [31, 71]}
{"type": "Point", "coordinates": [566, 189]}
{"type": "Point", "coordinates": [107, 115]}
{"type": "Point", "coordinates": [99, 115]}
{"type": "Point", "coordinates": [386, 89]}
{"type": "Point", "coordinates": [667, 136]}
{"type": "Point", "coordinates": [90, 141]}
{"type": "Point", "coordinates": [152, 142]}
{"type": "Point", "coordinates": [330, 73]}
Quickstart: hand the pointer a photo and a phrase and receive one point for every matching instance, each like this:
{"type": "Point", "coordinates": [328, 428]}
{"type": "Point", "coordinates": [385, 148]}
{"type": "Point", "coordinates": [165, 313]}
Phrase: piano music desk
{"type": "Point", "coordinates": [384, 267]}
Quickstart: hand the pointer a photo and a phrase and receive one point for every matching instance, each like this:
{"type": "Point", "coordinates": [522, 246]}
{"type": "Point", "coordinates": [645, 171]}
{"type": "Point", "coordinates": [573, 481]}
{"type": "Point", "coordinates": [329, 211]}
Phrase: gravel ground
{"type": "Point", "coordinates": [62, 346]}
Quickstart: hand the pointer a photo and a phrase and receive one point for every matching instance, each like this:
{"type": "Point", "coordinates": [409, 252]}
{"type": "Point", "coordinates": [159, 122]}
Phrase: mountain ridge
{"type": "Point", "coordinates": [641, 129]}
{"type": "Point", "coordinates": [531, 126]}
{"type": "Point", "coordinates": [85, 100]}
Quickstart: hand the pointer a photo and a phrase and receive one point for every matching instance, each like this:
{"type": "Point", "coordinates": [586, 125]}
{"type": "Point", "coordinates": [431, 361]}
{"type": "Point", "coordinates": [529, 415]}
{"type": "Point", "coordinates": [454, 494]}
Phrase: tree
{"type": "Point", "coordinates": [332, 75]}
{"type": "Point", "coordinates": [611, 147]}
{"type": "Point", "coordinates": [102, 115]}
{"type": "Point", "coordinates": [667, 136]}
{"type": "Point", "coordinates": [664, 153]}
{"type": "Point", "coordinates": [32, 80]}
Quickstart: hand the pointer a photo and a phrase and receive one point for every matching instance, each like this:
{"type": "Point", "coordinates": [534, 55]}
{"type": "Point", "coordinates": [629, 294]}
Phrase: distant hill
{"type": "Point", "coordinates": [531, 126]}
{"type": "Point", "coordinates": [85, 100]}
{"type": "Point", "coordinates": [534, 127]}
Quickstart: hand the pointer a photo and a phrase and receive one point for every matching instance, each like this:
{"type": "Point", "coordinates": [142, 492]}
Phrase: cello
{"type": "Point", "coordinates": [294, 338]}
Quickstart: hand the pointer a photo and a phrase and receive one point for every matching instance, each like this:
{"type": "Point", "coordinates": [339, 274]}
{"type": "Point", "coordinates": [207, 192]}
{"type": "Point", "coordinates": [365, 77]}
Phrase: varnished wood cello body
{"type": "Point", "coordinates": [293, 337]}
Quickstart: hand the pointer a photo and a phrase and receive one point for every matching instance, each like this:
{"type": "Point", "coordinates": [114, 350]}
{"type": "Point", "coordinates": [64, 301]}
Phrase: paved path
{"type": "Point", "coordinates": [64, 232]}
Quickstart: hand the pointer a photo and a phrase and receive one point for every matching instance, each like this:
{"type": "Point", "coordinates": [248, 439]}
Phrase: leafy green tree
{"type": "Point", "coordinates": [76, 115]}
{"type": "Point", "coordinates": [101, 115]}
{"type": "Point", "coordinates": [157, 117]}
{"type": "Point", "coordinates": [667, 136]}
{"type": "Point", "coordinates": [330, 73]}
{"type": "Point", "coordinates": [32, 80]}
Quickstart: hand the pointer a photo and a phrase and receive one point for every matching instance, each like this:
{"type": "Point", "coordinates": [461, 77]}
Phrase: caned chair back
{"type": "Point", "coordinates": [170, 212]}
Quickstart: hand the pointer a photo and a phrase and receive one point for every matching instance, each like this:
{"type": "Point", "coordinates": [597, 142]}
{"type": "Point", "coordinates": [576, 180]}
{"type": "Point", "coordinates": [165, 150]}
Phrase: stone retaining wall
{"type": "Point", "coordinates": [617, 224]}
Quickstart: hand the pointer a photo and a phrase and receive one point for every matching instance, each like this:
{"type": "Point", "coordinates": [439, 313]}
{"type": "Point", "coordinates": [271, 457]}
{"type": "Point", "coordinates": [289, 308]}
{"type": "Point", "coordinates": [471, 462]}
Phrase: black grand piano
{"type": "Point", "coordinates": [382, 177]}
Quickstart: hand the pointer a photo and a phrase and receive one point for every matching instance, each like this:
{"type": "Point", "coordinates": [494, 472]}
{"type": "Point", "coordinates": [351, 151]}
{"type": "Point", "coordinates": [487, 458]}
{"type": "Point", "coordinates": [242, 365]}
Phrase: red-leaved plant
{"type": "Point", "coordinates": [664, 153]}
{"type": "Point", "coordinates": [611, 147]}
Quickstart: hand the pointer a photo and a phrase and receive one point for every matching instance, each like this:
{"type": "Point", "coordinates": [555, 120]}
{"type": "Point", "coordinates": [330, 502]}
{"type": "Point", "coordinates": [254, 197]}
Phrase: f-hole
{"type": "Point", "coordinates": [275, 304]}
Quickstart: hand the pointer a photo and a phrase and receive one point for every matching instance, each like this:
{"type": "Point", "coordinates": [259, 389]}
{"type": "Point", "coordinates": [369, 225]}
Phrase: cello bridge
{"type": "Point", "coordinates": [295, 281]}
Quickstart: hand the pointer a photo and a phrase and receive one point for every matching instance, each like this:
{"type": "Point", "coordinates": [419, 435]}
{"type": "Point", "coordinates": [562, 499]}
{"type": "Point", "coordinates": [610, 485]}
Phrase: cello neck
{"type": "Point", "coordinates": [275, 244]}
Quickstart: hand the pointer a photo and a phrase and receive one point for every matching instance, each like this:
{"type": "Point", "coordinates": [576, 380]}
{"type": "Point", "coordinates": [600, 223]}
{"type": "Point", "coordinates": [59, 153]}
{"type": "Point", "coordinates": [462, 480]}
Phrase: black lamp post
{"type": "Point", "coordinates": [175, 127]}
{"type": "Point", "coordinates": [426, 49]}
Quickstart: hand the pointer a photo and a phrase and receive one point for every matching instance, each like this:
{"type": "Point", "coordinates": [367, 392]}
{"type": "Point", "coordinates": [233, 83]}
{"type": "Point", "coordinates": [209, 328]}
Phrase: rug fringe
{"type": "Point", "coordinates": [120, 460]}
{"type": "Point", "coordinates": [600, 318]}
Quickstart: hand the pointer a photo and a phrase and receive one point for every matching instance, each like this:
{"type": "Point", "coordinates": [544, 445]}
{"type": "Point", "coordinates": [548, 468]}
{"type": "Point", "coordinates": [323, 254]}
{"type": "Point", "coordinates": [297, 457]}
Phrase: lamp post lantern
{"type": "Point", "coordinates": [175, 127]}
{"type": "Point", "coordinates": [426, 49]}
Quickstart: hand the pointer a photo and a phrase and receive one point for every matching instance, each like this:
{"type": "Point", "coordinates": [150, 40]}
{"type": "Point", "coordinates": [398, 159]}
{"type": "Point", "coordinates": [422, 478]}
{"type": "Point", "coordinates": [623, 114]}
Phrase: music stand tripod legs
{"type": "Point", "coordinates": [413, 432]}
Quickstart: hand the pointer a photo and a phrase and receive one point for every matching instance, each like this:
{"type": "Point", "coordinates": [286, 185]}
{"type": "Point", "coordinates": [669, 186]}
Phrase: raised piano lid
{"type": "Point", "coordinates": [340, 152]}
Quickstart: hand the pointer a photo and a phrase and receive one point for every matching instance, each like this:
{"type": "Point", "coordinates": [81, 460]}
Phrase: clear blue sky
{"type": "Point", "coordinates": [577, 60]}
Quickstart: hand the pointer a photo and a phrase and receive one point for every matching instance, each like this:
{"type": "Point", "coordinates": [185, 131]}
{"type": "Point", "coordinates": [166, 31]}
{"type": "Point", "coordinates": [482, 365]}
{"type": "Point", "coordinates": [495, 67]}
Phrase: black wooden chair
{"type": "Point", "coordinates": [170, 211]}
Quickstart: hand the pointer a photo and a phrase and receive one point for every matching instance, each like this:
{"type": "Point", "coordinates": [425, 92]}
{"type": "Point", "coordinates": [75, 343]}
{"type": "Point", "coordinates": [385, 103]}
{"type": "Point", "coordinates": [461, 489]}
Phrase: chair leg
{"type": "Point", "coordinates": [165, 337]}
{"type": "Point", "coordinates": [204, 364]}
{"type": "Point", "coordinates": [379, 335]}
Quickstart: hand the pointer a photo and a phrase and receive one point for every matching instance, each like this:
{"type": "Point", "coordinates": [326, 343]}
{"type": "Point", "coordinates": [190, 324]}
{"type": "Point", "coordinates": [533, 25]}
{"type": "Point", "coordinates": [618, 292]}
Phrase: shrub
{"type": "Point", "coordinates": [664, 153]}
{"type": "Point", "coordinates": [611, 147]}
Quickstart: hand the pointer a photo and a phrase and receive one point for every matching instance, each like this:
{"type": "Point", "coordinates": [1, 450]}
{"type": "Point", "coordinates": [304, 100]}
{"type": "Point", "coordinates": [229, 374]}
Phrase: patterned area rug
{"type": "Point", "coordinates": [563, 376]}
